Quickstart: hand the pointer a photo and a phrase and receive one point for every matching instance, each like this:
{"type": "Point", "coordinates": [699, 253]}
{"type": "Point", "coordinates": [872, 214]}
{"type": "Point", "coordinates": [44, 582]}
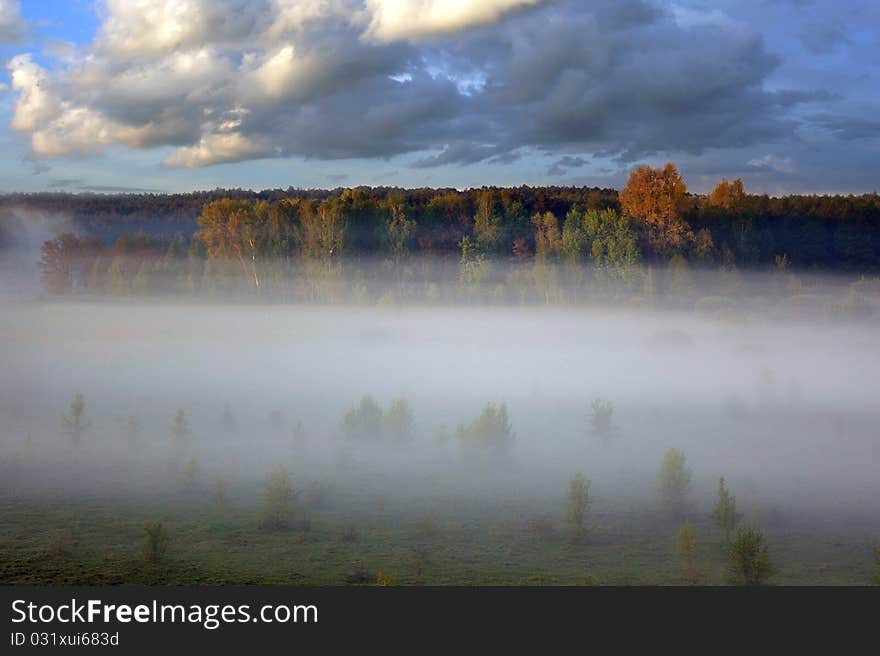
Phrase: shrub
{"type": "Point", "coordinates": [579, 503]}
{"type": "Point", "coordinates": [750, 557]}
{"type": "Point", "coordinates": [279, 499]}
{"type": "Point", "coordinates": [384, 580]}
{"type": "Point", "coordinates": [155, 542]}
{"type": "Point", "coordinates": [674, 482]}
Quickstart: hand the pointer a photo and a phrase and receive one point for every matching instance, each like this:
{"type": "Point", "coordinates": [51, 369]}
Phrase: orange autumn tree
{"type": "Point", "coordinates": [658, 197]}
{"type": "Point", "coordinates": [729, 196]}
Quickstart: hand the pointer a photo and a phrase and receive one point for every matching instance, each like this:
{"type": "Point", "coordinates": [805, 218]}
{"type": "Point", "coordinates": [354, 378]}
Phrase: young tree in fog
{"type": "Point", "coordinates": [579, 503]}
{"type": "Point", "coordinates": [686, 548]}
{"type": "Point", "coordinates": [600, 418]}
{"type": "Point", "coordinates": [750, 557]}
{"type": "Point", "coordinates": [674, 482]}
{"type": "Point", "coordinates": [490, 433]}
{"type": "Point", "coordinates": [73, 419]}
{"type": "Point", "coordinates": [279, 499]}
{"type": "Point", "coordinates": [724, 513]}
{"type": "Point", "coordinates": [180, 427]}
{"type": "Point", "coordinates": [399, 421]}
{"type": "Point", "coordinates": [363, 422]}
{"type": "Point", "coordinates": [155, 541]}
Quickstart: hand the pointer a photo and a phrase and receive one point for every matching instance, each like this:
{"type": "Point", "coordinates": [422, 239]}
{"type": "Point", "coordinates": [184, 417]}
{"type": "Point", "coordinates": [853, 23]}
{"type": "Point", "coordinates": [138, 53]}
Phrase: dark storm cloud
{"type": "Point", "coordinates": [561, 166]}
{"type": "Point", "coordinates": [621, 81]}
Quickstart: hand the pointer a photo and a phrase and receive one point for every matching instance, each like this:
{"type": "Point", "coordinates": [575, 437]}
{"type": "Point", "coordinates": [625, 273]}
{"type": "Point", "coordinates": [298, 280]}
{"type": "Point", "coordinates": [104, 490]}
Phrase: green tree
{"type": "Point", "coordinates": [750, 557]}
{"type": "Point", "coordinates": [674, 482]}
{"type": "Point", "coordinates": [279, 499]}
{"type": "Point", "coordinates": [724, 513]}
{"type": "Point", "coordinates": [233, 229]}
{"type": "Point", "coordinates": [579, 504]}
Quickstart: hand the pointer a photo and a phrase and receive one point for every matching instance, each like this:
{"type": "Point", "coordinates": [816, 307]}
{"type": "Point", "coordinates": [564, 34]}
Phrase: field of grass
{"type": "Point", "coordinates": [96, 542]}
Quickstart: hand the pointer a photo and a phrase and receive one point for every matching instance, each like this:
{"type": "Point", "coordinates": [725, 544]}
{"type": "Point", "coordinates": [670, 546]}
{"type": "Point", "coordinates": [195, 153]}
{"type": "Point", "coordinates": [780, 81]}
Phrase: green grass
{"type": "Point", "coordinates": [99, 542]}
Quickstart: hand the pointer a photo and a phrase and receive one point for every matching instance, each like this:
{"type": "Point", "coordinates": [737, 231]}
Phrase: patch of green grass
{"type": "Point", "coordinates": [488, 544]}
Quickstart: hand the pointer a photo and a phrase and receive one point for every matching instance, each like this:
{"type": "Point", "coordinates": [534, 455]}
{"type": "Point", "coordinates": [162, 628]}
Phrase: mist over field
{"type": "Point", "coordinates": [784, 409]}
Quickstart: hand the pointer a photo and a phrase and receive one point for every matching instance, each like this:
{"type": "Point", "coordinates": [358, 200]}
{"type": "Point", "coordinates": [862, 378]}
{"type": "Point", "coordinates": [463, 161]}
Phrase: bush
{"type": "Point", "coordinates": [279, 500]}
{"type": "Point", "coordinates": [674, 482]}
{"type": "Point", "coordinates": [155, 542]}
{"type": "Point", "coordinates": [750, 557]}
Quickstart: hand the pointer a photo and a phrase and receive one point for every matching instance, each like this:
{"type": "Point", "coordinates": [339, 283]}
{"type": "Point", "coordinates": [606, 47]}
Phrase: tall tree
{"type": "Point", "coordinates": [724, 513]}
{"type": "Point", "coordinates": [658, 197]}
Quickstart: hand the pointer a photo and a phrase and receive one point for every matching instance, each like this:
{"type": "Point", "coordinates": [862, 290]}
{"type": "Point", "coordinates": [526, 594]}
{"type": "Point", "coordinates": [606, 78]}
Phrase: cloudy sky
{"type": "Point", "coordinates": [175, 95]}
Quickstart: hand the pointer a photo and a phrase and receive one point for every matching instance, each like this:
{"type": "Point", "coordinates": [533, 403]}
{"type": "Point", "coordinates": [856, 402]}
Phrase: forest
{"type": "Point", "coordinates": [517, 245]}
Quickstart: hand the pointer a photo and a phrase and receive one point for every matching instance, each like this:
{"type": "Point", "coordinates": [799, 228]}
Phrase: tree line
{"type": "Point", "coordinates": [653, 220]}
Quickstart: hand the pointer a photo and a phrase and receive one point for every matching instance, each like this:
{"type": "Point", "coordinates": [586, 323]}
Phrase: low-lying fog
{"type": "Point", "coordinates": [785, 410]}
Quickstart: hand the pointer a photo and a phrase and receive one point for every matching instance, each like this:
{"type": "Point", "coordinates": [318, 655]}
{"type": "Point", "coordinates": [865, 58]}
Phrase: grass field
{"type": "Point", "coordinates": [96, 542]}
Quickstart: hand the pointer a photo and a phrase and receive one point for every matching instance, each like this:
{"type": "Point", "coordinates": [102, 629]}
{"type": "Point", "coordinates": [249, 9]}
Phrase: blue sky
{"type": "Point", "coordinates": [174, 96]}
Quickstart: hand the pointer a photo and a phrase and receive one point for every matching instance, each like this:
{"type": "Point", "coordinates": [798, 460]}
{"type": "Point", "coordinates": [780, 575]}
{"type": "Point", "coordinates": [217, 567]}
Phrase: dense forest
{"type": "Point", "coordinates": [519, 236]}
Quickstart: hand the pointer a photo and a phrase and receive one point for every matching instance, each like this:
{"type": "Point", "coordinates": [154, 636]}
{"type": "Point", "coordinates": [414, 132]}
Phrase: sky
{"type": "Point", "coordinates": [178, 95]}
